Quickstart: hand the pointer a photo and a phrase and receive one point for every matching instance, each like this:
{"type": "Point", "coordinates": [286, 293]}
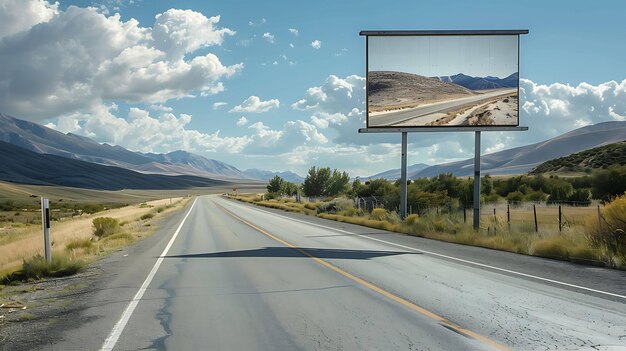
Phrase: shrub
{"type": "Point", "coordinates": [104, 226]}
{"type": "Point", "coordinates": [411, 219]}
{"type": "Point", "coordinates": [310, 205]}
{"type": "Point", "coordinates": [36, 268]}
{"type": "Point", "coordinates": [76, 244]}
{"type": "Point", "coordinates": [610, 233]}
{"type": "Point", "coordinates": [147, 216]}
{"type": "Point", "coordinates": [160, 209]}
{"type": "Point", "coordinates": [379, 214]}
{"type": "Point", "coordinates": [119, 236]}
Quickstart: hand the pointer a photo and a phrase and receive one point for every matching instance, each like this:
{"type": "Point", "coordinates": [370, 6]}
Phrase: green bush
{"type": "Point", "coordinates": [76, 244]}
{"type": "Point", "coordinates": [104, 226]}
{"type": "Point", "coordinates": [146, 216]}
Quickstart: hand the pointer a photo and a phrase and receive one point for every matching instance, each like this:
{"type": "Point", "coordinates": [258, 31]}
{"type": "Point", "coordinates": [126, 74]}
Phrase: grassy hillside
{"type": "Point", "coordinates": [586, 161]}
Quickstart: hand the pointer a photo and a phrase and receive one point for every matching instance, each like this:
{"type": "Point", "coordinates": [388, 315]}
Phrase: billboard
{"type": "Point", "coordinates": [442, 80]}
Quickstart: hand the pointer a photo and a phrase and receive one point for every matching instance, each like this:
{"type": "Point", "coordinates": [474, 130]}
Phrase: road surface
{"type": "Point", "coordinates": [224, 275]}
{"type": "Point", "coordinates": [395, 117]}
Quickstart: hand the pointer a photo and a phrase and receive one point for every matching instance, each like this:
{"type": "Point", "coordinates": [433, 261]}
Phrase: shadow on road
{"type": "Point", "coordinates": [295, 253]}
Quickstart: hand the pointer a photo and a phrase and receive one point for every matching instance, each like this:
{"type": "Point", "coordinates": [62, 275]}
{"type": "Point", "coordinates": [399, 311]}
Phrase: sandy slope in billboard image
{"type": "Point", "coordinates": [401, 99]}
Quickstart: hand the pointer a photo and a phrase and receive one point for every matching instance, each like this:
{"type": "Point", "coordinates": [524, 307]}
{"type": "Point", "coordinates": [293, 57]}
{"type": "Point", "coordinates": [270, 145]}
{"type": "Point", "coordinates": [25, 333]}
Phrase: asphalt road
{"type": "Point", "coordinates": [391, 118]}
{"type": "Point", "coordinates": [229, 276]}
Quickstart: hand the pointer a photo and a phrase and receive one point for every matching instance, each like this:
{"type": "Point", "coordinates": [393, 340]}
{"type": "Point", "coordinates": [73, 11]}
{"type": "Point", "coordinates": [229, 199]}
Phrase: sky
{"type": "Point", "coordinates": [430, 56]}
{"type": "Point", "coordinates": [279, 85]}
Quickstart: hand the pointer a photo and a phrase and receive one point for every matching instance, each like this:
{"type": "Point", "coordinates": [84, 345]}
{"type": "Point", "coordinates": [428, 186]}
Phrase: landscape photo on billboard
{"type": "Point", "coordinates": [442, 81]}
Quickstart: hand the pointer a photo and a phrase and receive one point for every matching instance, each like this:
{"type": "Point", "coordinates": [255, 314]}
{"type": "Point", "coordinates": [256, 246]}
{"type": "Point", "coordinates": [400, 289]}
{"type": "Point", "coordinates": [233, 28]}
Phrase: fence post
{"type": "Point", "coordinates": [535, 215]}
{"type": "Point", "coordinates": [560, 222]}
{"type": "Point", "coordinates": [464, 215]}
{"type": "Point", "coordinates": [599, 220]}
{"type": "Point", "coordinates": [508, 214]}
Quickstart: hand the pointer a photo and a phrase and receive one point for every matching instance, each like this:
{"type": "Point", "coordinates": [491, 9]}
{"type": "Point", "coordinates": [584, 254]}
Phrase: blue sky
{"type": "Point", "coordinates": [294, 69]}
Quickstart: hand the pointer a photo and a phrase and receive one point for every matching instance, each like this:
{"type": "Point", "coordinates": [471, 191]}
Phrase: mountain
{"type": "Point", "coordinates": [586, 161]}
{"type": "Point", "coordinates": [20, 165]}
{"type": "Point", "coordinates": [481, 83]}
{"type": "Point", "coordinates": [267, 175]}
{"type": "Point", "coordinates": [522, 159]}
{"type": "Point", "coordinates": [394, 174]}
{"type": "Point", "coordinates": [389, 90]}
{"type": "Point", "coordinates": [44, 140]}
{"type": "Point", "coordinates": [201, 164]}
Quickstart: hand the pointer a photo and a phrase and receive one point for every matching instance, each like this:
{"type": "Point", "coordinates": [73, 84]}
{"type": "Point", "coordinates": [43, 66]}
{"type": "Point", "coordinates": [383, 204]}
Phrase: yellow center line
{"type": "Point", "coordinates": [377, 289]}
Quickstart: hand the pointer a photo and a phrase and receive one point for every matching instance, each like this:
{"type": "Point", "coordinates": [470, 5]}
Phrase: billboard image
{"type": "Point", "coordinates": [442, 80]}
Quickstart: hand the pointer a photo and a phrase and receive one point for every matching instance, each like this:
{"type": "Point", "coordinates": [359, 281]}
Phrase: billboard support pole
{"type": "Point", "coordinates": [403, 178]}
{"type": "Point", "coordinates": [476, 180]}
{"type": "Point", "coordinates": [45, 221]}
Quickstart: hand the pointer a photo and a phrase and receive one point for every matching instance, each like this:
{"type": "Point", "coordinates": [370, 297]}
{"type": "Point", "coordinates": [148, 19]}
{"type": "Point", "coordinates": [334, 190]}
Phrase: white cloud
{"type": "Point", "coordinates": [316, 44]}
{"type": "Point", "coordinates": [219, 104]}
{"type": "Point", "coordinates": [142, 132]}
{"type": "Point", "coordinates": [242, 121]}
{"type": "Point", "coordinates": [291, 45]}
{"type": "Point", "coordinates": [177, 32]}
{"type": "Point", "coordinates": [260, 22]}
{"type": "Point", "coordinates": [161, 108]}
{"type": "Point", "coordinates": [294, 31]}
{"type": "Point", "coordinates": [18, 16]}
{"type": "Point", "coordinates": [269, 37]}
{"type": "Point", "coordinates": [253, 104]}
{"type": "Point", "coordinates": [80, 58]}
{"type": "Point", "coordinates": [275, 63]}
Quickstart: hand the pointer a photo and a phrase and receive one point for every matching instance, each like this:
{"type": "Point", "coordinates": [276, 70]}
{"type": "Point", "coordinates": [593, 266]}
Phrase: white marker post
{"type": "Point", "coordinates": [45, 220]}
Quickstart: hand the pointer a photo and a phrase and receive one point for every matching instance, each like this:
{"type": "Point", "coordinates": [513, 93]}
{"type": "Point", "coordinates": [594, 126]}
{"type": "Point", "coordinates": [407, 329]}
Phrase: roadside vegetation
{"type": "Point", "coordinates": [591, 228]}
{"type": "Point", "coordinates": [76, 241]}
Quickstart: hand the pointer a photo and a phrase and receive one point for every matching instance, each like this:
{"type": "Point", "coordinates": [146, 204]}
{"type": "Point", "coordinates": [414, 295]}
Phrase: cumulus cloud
{"type": "Point", "coordinates": [75, 59]}
{"type": "Point", "coordinates": [18, 16]}
{"type": "Point", "coordinates": [253, 104]}
{"type": "Point", "coordinates": [316, 44]}
{"type": "Point", "coordinates": [242, 121]}
{"type": "Point", "coordinates": [294, 31]}
{"type": "Point", "coordinates": [178, 32]}
{"type": "Point", "coordinates": [269, 37]}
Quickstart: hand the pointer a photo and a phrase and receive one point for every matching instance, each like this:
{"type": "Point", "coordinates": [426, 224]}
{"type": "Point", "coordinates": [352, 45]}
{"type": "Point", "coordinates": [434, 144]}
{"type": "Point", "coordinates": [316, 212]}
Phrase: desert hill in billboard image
{"type": "Point", "coordinates": [401, 99]}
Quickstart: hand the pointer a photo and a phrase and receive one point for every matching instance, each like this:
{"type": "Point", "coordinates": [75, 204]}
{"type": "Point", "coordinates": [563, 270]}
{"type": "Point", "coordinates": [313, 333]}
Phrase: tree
{"type": "Point", "coordinates": [316, 181]}
{"type": "Point", "coordinates": [289, 188]}
{"type": "Point", "coordinates": [338, 183]}
{"type": "Point", "coordinates": [275, 185]}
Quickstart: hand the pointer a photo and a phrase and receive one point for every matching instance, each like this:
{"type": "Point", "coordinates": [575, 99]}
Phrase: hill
{"type": "Point", "coordinates": [389, 90]}
{"type": "Point", "coordinates": [523, 159]}
{"type": "Point", "coordinates": [394, 174]}
{"type": "Point", "coordinates": [586, 161]}
{"type": "Point", "coordinates": [24, 166]}
{"type": "Point", "coordinates": [267, 175]}
{"type": "Point", "coordinates": [44, 140]}
{"type": "Point", "coordinates": [481, 83]}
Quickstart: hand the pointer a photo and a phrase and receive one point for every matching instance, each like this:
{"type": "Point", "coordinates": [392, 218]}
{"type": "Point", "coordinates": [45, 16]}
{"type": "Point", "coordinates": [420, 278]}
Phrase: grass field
{"type": "Point", "coordinates": [19, 241]}
{"type": "Point", "coordinates": [519, 236]}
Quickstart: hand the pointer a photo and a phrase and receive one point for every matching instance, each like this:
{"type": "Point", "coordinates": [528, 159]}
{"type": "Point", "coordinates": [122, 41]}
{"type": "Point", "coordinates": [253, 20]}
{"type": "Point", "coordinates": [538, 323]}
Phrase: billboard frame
{"type": "Point", "coordinates": [408, 33]}
{"type": "Point", "coordinates": [405, 130]}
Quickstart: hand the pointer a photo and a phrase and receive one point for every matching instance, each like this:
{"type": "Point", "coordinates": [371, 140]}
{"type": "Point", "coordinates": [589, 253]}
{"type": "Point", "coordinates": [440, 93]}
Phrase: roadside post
{"type": "Point", "coordinates": [45, 220]}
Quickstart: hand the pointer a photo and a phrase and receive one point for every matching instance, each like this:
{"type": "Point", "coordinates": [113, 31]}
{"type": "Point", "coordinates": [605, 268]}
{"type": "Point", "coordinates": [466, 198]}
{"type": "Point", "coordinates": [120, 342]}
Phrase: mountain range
{"type": "Point", "coordinates": [20, 165]}
{"type": "Point", "coordinates": [43, 140]}
{"type": "Point", "coordinates": [267, 175]}
{"type": "Point", "coordinates": [394, 174]}
{"type": "Point", "coordinates": [481, 83]}
{"type": "Point", "coordinates": [523, 159]}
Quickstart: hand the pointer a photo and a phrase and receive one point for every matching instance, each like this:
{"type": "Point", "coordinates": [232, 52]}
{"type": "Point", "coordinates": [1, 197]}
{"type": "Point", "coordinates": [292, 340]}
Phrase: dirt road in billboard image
{"type": "Point", "coordinates": [399, 99]}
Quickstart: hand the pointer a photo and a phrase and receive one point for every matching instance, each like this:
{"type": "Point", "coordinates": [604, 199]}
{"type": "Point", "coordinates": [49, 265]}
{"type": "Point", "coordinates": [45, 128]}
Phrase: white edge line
{"type": "Point", "coordinates": [117, 330]}
{"type": "Point", "coordinates": [445, 256]}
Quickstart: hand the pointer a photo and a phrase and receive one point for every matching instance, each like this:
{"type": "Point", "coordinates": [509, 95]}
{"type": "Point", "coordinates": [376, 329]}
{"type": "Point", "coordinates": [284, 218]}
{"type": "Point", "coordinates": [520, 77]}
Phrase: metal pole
{"type": "Point", "coordinates": [45, 220]}
{"type": "Point", "coordinates": [477, 180]}
{"type": "Point", "coordinates": [403, 177]}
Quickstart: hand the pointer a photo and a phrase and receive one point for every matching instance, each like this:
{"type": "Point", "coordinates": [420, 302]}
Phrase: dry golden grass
{"type": "Point", "coordinates": [28, 241]}
{"type": "Point", "coordinates": [520, 237]}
